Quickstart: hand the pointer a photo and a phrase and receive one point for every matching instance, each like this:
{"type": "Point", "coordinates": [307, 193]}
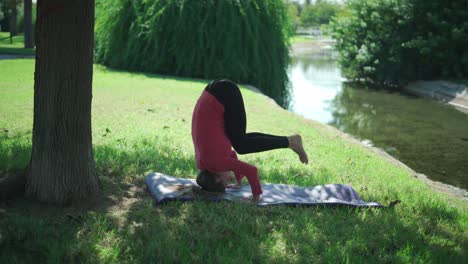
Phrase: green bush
{"type": "Point", "coordinates": [396, 41]}
{"type": "Point", "coordinates": [245, 41]}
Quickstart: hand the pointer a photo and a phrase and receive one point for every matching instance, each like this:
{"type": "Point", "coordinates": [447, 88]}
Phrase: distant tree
{"type": "Point", "coordinates": [14, 20]}
{"type": "Point", "coordinates": [13, 5]}
{"type": "Point", "coordinates": [4, 20]}
{"type": "Point", "coordinates": [62, 166]}
{"type": "Point", "coordinates": [1, 14]}
{"type": "Point", "coordinates": [28, 26]}
{"type": "Point", "coordinates": [308, 15]}
{"type": "Point", "coordinates": [9, 8]}
{"type": "Point", "coordinates": [319, 13]}
{"type": "Point", "coordinates": [293, 15]}
{"type": "Point", "coordinates": [325, 11]}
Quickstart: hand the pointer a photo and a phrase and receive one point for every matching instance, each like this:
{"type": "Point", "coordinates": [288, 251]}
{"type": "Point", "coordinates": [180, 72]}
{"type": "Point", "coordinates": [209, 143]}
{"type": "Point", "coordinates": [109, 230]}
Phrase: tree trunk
{"type": "Point", "coordinates": [28, 30]}
{"type": "Point", "coordinates": [13, 20]}
{"type": "Point", "coordinates": [62, 167]}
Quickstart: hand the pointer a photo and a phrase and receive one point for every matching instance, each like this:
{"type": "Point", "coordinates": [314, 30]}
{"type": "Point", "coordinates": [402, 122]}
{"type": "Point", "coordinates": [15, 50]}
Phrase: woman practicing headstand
{"type": "Point", "coordinates": [218, 124]}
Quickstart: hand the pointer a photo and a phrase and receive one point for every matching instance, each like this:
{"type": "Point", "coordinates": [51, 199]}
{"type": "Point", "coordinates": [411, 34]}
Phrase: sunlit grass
{"type": "Point", "coordinates": [302, 38]}
{"type": "Point", "coordinates": [141, 123]}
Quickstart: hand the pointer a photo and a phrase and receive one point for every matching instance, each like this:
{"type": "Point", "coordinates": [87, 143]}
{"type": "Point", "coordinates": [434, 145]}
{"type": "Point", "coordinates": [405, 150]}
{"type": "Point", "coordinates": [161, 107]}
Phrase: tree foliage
{"type": "Point", "coordinates": [245, 41]}
{"type": "Point", "coordinates": [1, 13]}
{"type": "Point", "coordinates": [319, 13]}
{"type": "Point", "coordinates": [293, 15]}
{"type": "Point", "coordinates": [396, 41]}
{"type": "Point", "coordinates": [8, 7]}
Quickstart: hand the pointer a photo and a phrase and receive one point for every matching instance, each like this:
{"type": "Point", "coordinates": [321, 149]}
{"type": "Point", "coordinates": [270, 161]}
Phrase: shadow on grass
{"type": "Point", "coordinates": [36, 232]}
{"type": "Point", "coordinates": [220, 232]}
{"type": "Point", "coordinates": [124, 225]}
{"type": "Point", "coordinates": [17, 51]}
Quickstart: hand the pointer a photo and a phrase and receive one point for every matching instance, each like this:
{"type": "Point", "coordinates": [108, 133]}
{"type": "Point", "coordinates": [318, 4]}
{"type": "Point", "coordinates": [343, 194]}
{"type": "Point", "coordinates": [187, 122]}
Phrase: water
{"type": "Point", "coordinates": [428, 136]}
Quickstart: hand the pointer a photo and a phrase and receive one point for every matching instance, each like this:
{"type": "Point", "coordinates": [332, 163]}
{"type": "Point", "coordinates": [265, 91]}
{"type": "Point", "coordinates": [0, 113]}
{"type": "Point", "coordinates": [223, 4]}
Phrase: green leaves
{"type": "Point", "coordinates": [245, 41]}
{"type": "Point", "coordinates": [410, 39]}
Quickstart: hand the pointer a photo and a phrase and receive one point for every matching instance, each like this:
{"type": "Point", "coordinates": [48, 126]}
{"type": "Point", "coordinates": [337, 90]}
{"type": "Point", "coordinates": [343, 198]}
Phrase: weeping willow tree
{"type": "Point", "coordinates": [245, 41]}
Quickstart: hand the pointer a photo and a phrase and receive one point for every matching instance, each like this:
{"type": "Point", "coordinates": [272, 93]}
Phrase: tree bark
{"type": "Point", "coordinates": [28, 30]}
{"type": "Point", "coordinates": [62, 167]}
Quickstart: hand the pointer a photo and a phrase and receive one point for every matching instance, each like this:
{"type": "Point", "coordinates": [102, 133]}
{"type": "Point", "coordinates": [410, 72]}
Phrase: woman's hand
{"type": "Point", "coordinates": [256, 198]}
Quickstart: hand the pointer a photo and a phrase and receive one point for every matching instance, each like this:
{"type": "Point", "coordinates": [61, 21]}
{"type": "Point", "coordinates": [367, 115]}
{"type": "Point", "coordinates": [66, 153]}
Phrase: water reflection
{"type": "Point", "coordinates": [426, 135]}
{"type": "Point", "coordinates": [315, 81]}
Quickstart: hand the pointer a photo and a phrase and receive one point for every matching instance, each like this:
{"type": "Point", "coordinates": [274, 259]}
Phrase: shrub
{"type": "Point", "coordinates": [245, 41]}
{"type": "Point", "coordinates": [395, 41]}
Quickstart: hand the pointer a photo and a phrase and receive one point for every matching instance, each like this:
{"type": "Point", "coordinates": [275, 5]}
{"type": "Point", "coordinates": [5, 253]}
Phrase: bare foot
{"type": "Point", "coordinates": [295, 143]}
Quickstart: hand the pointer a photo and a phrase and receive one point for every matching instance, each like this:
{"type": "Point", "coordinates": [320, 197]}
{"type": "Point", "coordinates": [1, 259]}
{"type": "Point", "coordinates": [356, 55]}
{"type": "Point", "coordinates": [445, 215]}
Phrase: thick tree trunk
{"type": "Point", "coordinates": [62, 167]}
{"type": "Point", "coordinates": [13, 20]}
{"type": "Point", "coordinates": [28, 30]}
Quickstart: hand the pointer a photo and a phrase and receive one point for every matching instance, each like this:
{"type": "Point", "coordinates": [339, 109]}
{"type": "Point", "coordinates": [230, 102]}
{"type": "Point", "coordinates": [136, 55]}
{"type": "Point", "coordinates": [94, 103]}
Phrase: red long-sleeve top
{"type": "Point", "coordinates": [213, 149]}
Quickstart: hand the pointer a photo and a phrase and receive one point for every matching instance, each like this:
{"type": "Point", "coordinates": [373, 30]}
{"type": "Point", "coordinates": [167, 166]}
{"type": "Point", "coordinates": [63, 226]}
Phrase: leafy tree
{"type": "Point", "coordinates": [325, 11]}
{"type": "Point", "coordinates": [9, 8]}
{"type": "Point", "coordinates": [319, 13]}
{"type": "Point", "coordinates": [13, 5]}
{"type": "Point", "coordinates": [28, 26]}
{"type": "Point", "coordinates": [245, 41]}
{"type": "Point", "coordinates": [308, 15]}
{"type": "Point", "coordinates": [1, 13]}
{"type": "Point", "coordinates": [293, 15]}
{"type": "Point", "coordinates": [62, 166]}
{"type": "Point", "coordinates": [396, 41]}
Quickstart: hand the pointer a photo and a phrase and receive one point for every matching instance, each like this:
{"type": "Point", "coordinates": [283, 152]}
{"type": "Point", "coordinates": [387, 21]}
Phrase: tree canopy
{"type": "Point", "coordinates": [245, 41]}
{"type": "Point", "coordinates": [319, 13]}
{"type": "Point", "coordinates": [396, 41]}
{"type": "Point", "coordinates": [1, 14]}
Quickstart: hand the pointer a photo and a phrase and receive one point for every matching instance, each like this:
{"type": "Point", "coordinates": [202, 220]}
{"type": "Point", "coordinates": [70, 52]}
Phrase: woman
{"type": "Point", "coordinates": [218, 125]}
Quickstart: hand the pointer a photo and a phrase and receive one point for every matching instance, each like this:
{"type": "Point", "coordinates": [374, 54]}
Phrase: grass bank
{"type": "Point", "coordinates": [302, 38]}
{"type": "Point", "coordinates": [141, 123]}
{"type": "Point", "coordinates": [16, 47]}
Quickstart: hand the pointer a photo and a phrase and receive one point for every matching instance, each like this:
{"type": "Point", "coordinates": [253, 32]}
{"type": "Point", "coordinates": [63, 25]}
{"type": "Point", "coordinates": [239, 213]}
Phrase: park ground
{"type": "Point", "coordinates": [13, 47]}
{"type": "Point", "coordinates": [141, 123]}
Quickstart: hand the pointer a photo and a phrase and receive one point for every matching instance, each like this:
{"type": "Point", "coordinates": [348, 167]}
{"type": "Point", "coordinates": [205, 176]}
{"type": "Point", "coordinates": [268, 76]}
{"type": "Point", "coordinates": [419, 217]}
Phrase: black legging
{"type": "Point", "coordinates": [235, 121]}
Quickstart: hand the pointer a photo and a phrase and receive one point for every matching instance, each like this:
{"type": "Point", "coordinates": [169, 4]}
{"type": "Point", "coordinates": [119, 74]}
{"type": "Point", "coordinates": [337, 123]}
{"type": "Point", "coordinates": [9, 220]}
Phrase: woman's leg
{"type": "Point", "coordinates": [235, 122]}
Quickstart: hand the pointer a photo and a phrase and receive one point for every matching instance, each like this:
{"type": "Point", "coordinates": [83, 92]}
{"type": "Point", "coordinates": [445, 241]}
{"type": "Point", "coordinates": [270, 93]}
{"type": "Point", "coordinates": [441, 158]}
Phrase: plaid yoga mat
{"type": "Point", "coordinates": [165, 188]}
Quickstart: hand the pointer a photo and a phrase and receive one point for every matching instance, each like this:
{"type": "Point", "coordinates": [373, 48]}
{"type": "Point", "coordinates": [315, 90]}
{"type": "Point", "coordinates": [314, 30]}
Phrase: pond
{"type": "Point", "coordinates": [428, 136]}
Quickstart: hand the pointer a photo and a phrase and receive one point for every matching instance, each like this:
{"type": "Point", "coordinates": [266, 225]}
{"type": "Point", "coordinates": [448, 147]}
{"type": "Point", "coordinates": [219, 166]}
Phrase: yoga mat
{"type": "Point", "coordinates": [165, 188]}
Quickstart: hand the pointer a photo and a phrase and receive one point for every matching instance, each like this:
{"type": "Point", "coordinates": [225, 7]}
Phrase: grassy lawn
{"type": "Point", "coordinates": [15, 48]}
{"type": "Point", "coordinates": [302, 38]}
{"type": "Point", "coordinates": [141, 123]}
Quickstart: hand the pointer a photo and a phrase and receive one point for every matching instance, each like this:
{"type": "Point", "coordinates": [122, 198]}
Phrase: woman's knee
{"type": "Point", "coordinates": [240, 147]}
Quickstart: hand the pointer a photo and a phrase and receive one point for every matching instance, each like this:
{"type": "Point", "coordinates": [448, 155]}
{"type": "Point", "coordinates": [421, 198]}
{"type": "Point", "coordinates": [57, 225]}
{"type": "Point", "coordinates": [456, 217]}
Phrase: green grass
{"type": "Point", "coordinates": [15, 48]}
{"type": "Point", "coordinates": [302, 38]}
{"type": "Point", "coordinates": [148, 117]}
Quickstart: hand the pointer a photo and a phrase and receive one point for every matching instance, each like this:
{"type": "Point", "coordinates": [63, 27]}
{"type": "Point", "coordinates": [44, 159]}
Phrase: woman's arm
{"type": "Point", "coordinates": [236, 173]}
{"type": "Point", "coordinates": [250, 172]}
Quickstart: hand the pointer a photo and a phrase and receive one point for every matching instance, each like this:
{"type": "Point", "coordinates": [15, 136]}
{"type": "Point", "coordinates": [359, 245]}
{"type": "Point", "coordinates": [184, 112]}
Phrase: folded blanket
{"type": "Point", "coordinates": [166, 188]}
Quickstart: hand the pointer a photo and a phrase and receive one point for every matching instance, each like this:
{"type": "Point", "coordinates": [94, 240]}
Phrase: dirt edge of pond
{"type": "Point", "coordinates": [435, 185]}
